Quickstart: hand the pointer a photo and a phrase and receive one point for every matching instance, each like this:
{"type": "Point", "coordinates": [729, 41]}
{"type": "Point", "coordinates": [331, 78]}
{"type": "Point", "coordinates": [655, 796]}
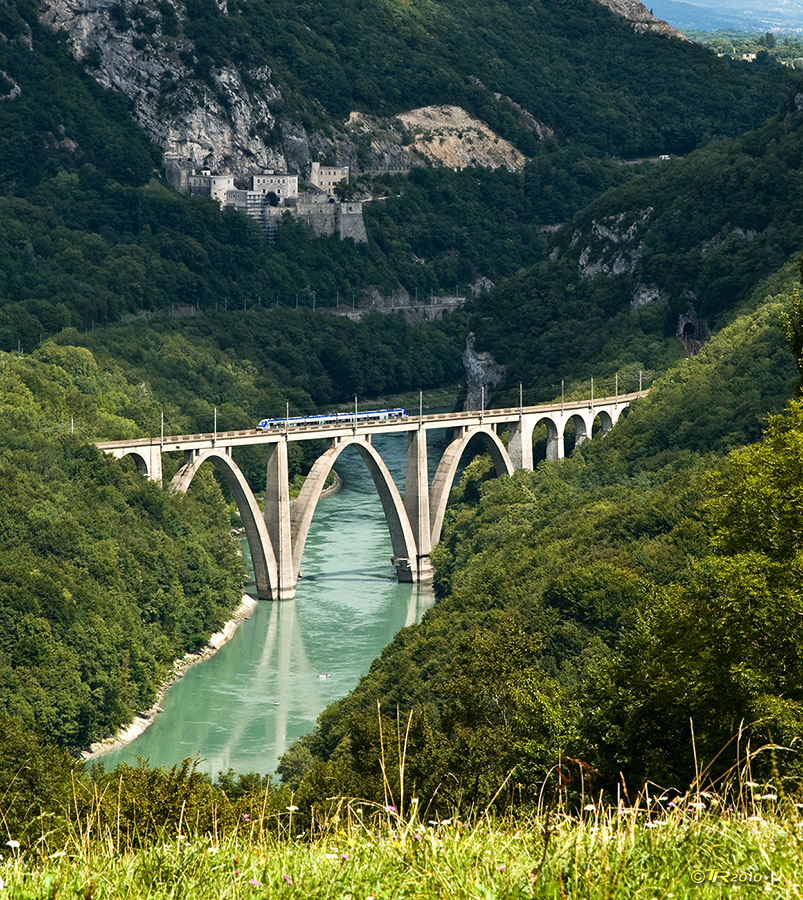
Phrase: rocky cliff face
{"type": "Point", "coordinates": [217, 122]}
{"type": "Point", "coordinates": [643, 20]}
{"type": "Point", "coordinates": [431, 135]}
{"type": "Point", "coordinates": [224, 120]}
{"type": "Point", "coordinates": [483, 373]}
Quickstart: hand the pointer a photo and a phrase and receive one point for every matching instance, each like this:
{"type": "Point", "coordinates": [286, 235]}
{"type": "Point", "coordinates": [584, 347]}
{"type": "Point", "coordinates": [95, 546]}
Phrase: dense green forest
{"type": "Point", "coordinates": [692, 233]}
{"type": "Point", "coordinates": [90, 236]}
{"type": "Point", "coordinates": [628, 95]}
{"type": "Point", "coordinates": [105, 578]}
{"type": "Point", "coordinates": [591, 609]}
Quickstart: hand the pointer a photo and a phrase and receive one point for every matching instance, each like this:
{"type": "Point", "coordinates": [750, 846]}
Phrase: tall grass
{"type": "Point", "coordinates": [653, 847]}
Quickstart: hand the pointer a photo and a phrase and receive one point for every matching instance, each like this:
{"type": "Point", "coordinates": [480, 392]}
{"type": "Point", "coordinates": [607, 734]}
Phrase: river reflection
{"type": "Point", "coordinates": [244, 706]}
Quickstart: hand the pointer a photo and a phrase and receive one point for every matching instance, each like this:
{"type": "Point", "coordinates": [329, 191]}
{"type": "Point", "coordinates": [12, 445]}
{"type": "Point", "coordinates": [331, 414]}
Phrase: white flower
{"type": "Point", "coordinates": [589, 807]}
{"type": "Point", "coordinates": [13, 844]}
{"type": "Point", "coordinates": [291, 808]}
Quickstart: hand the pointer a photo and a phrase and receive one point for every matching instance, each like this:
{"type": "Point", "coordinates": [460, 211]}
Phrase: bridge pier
{"type": "Point", "coordinates": [416, 505]}
{"type": "Point", "coordinates": [520, 443]}
{"type": "Point", "coordinates": [277, 517]}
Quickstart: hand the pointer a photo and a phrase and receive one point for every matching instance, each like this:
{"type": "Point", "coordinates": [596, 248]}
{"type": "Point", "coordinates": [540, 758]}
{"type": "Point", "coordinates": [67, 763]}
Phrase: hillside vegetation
{"type": "Point", "coordinates": [105, 578]}
{"type": "Point", "coordinates": [574, 66]}
{"type": "Point", "coordinates": [689, 234]}
{"type": "Point", "coordinates": [89, 236]}
{"type": "Point", "coordinates": [591, 609]}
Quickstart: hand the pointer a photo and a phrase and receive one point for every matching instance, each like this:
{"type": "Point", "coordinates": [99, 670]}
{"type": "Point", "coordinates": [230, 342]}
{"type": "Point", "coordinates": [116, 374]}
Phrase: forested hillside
{"type": "Point", "coordinates": [104, 577]}
{"type": "Point", "coordinates": [90, 235]}
{"type": "Point", "coordinates": [591, 609]}
{"type": "Point", "coordinates": [693, 234]}
{"type": "Point", "coordinates": [282, 78]}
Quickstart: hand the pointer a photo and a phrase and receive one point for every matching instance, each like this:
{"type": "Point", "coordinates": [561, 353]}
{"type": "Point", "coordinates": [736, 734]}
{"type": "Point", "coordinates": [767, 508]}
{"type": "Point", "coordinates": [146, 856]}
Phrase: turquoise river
{"type": "Point", "coordinates": [244, 706]}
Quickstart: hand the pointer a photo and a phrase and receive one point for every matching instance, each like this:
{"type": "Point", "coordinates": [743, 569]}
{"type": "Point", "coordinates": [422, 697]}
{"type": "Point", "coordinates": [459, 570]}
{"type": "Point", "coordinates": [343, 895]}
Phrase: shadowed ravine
{"type": "Point", "coordinates": [244, 706]}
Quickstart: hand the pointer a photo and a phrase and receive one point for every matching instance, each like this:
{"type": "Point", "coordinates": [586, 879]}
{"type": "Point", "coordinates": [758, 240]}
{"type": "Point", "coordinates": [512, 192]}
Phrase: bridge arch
{"type": "Point", "coordinates": [554, 437]}
{"type": "Point", "coordinates": [605, 421]}
{"type": "Point", "coordinates": [447, 469]}
{"type": "Point", "coordinates": [401, 533]}
{"type": "Point", "coordinates": [139, 460]}
{"type": "Point", "coordinates": [582, 428]}
{"type": "Point", "coordinates": [256, 531]}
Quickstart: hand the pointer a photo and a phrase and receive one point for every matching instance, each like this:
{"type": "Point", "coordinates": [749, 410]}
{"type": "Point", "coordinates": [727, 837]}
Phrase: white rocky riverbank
{"type": "Point", "coordinates": [127, 734]}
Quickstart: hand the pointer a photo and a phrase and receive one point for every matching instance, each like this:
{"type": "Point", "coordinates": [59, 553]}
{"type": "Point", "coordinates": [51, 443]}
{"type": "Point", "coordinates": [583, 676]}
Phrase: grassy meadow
{"type": "Point", "coordinates": [696, 846]}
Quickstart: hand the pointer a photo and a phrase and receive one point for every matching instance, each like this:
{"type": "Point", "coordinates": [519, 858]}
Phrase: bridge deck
{"type": "Point", "coordinates": [434, 421]}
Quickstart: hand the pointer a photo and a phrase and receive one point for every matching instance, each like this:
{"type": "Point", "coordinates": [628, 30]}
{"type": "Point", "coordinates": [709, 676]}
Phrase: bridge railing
{"type": "Point", "coordinates": [509, 413]}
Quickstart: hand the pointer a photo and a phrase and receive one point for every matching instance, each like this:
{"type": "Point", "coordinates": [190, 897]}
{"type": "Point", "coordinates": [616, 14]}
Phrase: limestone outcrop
{"type": "Point", "coordinates": [217, 122]}
{"type": "Point", "coordinates": [643, 20]}
{"type": "Point", "coordinates": [223, 119]}
{"type": "Point", "coordinates": [483, 373]}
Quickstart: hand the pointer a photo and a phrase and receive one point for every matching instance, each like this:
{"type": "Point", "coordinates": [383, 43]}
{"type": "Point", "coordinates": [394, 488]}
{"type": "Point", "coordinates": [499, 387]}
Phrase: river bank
{"type": "Point", "coordinates": [142, 721]}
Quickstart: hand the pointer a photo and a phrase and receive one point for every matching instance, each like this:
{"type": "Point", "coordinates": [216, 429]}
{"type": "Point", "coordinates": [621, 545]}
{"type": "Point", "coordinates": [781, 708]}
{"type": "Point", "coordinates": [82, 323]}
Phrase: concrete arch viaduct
{"type": "Point", "coordinates": [276, 537]}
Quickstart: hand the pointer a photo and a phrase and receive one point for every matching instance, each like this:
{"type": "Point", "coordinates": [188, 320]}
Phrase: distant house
{"type": "Point", "coordinates": [326, 177]}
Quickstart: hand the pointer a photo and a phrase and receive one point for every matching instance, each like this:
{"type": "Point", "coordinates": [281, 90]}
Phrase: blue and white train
{"type": "Point", "coordinates": [343, 418]}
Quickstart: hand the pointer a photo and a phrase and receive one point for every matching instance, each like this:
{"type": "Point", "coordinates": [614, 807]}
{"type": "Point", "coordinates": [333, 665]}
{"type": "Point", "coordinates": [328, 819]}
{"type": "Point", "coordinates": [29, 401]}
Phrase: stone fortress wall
{"type": "Point", "coordinates": [272, 194]}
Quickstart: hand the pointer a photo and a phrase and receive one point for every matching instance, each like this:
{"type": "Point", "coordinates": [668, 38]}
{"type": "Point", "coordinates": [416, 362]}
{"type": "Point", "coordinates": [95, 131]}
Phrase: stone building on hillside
{"type": "Point", "coordinates": [271, 195]}
{"type": "Point", "coordinates": [326, 177]}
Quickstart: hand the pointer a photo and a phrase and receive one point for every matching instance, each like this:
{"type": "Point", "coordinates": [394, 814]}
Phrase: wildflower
{"type": "Point", "coordinates": [291, 808]}
{"type": "Point", "coordinates": [416, 837]}
{"type": "Point", "coordinates": [236, 873]}
{"type": "Point", "coordinates": [57, 855]}
{"type": "Point", "coordinates": [246, 817]}
{"type": "Point", "coordinates": [501, 868]}
{"type": "Point", "coordinates": [2, 884]}
{"type": "Point", "coordinates": [254, 882]}
{"type": "Point", "coordinates": [13, 844]}
{"type": "Point", "coordinates": [344, 856]}
{"type": "Point", "coordinates": [768, 797]}
{"type": "Point", "coordinates": [671, 804]}
{"type": "Point", "coordinates": [390, 808]}
{"type": "Point", "coordinates": [589, 807]}
{"type": "Point", "coordinates": [287, 879]}
{"type": "Point", "coordinates": [698, 805]}
{"type": "Point", "coordinates": [330, 855]}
